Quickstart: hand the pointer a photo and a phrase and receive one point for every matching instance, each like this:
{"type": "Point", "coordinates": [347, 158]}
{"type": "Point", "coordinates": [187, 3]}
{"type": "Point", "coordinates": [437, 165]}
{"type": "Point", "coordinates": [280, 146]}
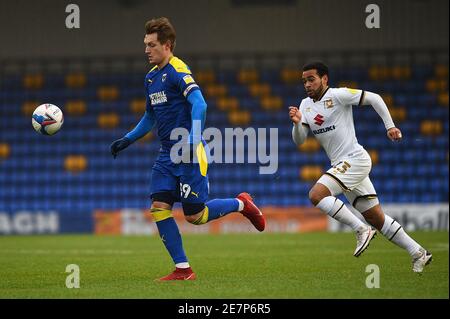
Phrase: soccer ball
{"type": "Point", "coordinates": [47, 119]}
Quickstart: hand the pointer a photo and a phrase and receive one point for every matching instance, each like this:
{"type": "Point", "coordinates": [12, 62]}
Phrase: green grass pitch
{"type": "Point", "coordinates": [266, 265]}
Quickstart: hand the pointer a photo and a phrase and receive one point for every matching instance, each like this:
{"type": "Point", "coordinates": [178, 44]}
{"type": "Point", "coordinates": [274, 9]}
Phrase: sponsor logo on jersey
{"type": "Point", "coordinates": [329, 103]}
{"type": "Point", "coordinates": [319, 119]}
{"type": "Point", "coordinates": [188, 79]}
{"type": "Point", "coordinates": [158, 98]}
{"type": "Point", "coordinates": [353, 91]}
{"type": "Point", "coordinates": [324, 130]}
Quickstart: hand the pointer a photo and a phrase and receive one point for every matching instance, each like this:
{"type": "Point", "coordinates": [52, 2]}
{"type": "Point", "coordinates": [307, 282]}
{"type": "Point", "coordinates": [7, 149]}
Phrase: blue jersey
{"type": "Point", "coordinates": [167, 91]}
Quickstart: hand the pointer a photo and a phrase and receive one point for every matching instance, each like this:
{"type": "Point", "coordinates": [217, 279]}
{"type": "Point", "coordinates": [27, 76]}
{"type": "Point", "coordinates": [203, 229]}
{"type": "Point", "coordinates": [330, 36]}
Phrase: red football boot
{"type": "Point", "coordinates": [180, 274]}
{"type": "Point", "coordinates": [252, 212]}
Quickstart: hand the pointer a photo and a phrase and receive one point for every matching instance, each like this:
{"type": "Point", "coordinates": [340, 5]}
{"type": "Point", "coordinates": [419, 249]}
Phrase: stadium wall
{"type": "Point", "coordinates": [428, 217]}
{"type": "Point", "coordinates": [220, 26]}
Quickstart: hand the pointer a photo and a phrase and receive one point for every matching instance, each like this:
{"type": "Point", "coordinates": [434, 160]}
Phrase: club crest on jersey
{"type": "Point", "coordinates": [158, 98]}
{"type": "Point", "coordinates": [164, 76]}
{"type": "Point", "coordinates": [318, 120]}
{"type": "Point", "coordinates": [329, 103]}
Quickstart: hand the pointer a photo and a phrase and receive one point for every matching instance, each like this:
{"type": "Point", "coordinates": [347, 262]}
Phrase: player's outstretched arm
{"type": "Point", "coordinates": [144, 126]}
{"type": "Point", "coordinates": [393, 133]}
{"type": "Point", "coordinates": [299, 132]}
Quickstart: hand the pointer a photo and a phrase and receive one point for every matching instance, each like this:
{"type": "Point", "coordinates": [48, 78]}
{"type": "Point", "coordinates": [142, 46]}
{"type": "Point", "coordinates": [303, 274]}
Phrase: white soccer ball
{"type": "Point", "coordinates": [47, 119]}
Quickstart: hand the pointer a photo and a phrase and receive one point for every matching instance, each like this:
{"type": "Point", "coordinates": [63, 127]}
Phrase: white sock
{"type": "Point", "coordinates": [182, 265]}
{"type": "Point", "coordinates": [241, 205]}
{"type": "Point", "coordinates": [336, 209]}
{"type": "Point", "coordinates": [393, 231]}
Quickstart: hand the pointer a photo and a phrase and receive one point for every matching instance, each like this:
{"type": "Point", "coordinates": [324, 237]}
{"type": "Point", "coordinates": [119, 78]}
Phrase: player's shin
{"type": "Point", "coordinates": [335, 208]}
{"type": "Point", "coordinates": [217, 208]}
{"type": "Point", "coordinates": [393, 231]}
{"type": "Point", "coordinates": [170, 235]}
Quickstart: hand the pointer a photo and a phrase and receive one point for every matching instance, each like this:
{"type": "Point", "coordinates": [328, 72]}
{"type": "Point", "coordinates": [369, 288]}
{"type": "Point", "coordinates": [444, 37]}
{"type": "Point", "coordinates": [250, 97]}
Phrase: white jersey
{"type": "Point", "coordinates": [331, 121]}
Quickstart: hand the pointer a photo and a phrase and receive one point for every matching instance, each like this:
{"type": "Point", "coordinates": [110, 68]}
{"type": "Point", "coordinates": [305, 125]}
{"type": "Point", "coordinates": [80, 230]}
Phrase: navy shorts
{"type": "Point", "coordinates": [186, 182]}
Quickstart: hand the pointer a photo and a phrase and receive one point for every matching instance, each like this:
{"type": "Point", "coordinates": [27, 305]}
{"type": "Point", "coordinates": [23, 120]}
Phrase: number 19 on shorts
{"type": "Point", "coordinates": [185, 189]}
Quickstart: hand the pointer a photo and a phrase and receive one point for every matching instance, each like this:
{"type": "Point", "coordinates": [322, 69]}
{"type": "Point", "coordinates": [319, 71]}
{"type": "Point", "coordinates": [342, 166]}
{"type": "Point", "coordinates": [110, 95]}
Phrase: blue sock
{"type": "Point", "coordinates": [171, 237]}
{"type": "Point", "coordinates": [221, 207]}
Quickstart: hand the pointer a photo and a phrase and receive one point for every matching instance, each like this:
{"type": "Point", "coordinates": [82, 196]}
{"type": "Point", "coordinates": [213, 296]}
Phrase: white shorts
{"type": "Point", "coordinates": [351, 177]}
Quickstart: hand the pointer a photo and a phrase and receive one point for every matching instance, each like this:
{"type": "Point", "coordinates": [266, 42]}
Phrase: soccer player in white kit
{"type": "Point", "coordinates": [327, 112]}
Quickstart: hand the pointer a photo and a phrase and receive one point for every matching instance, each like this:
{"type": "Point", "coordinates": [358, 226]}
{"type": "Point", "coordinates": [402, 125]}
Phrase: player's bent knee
{"type": "Point", "coordinates": [192, 208]}
{"type": "Point", "coordinates": [317, 193]}
{"type": "Point", "coordinates": [195, 219]}
{"type": "Point", "coordinates": [196, 214]}
{"type": "Point", "coordinates": [162, 205]}
{"type": "Point", "coordinates": [315, 197]}
{"type": "Point", "coordinates": [192, 218]}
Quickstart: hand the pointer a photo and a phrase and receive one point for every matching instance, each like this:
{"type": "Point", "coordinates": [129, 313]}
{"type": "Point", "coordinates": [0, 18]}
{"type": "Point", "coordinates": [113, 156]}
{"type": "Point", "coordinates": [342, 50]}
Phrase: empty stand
{"type": "Point", "coordinates": [75, 169]}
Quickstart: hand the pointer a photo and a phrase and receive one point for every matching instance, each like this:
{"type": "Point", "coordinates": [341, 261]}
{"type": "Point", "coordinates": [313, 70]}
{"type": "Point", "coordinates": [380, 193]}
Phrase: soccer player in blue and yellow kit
{"type": "Point", "coordinates": [174, 101]}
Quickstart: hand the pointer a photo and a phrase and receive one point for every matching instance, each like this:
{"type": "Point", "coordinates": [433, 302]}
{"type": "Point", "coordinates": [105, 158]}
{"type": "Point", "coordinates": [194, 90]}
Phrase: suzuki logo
{"type": "Point", "coordinates": [319, 119]}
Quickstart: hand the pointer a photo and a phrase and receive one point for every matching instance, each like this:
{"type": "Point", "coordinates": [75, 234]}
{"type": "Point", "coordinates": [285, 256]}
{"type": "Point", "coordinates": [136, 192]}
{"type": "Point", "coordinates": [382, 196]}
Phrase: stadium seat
{"type": "Point", "coordinates": [379, 73]}
{"type": "Point", "coordinates": [33, 81]}
{"type": "Point", "coordinates": [205, 77]}
{"type": "Point", "coordinates": [311, 173]}
{"type": "Point", "coordinates": [441, 71]}
{"type": "Point", "coordinates": [228, 103]}
{"type": "Point", "coordinates": [108, 120]}
{"type": "Point", "coordinates": [5, 151]}
{"type": "Point", "coordinates": [215, 90]}
{"type": "Point", "coordinates": [398, 114]}
{"type": "Point", "coordinates": [75, 80]}
{"type": "Point", "coordinates": [401, 73]}
{"type": "Point", "coordinates": [138, 105]}
{"type": "Point", "coordinates": [388, 99]}
{"type": "Point", "coordinates": [443, 98]}
{"type": "Point", "coordinates": [431, 128]}
{"type": "Point", "coordinates": [108, 93]}
{"type": "Point", "coordinates": [28, 107]}
{"type": "Point", "coordinates": [259, 89]}
{"type": "Point", "coordinates": [239, 118]}
{"type": "Point", "coordinates": [271, 102]}
{"type": "Point", "coordinates": [289, 76]}
{"type": "Point", "coordinates": [247, 76]}
{"type": "Point", "coordinates": [374, 156]}
{"type": "Point", "coordinates": [75, 107]}
{"type": "Point", "coordinates": [436, 85]}
{"type": "Point", "coordinates": [75, 163]}
{"type": "Point", "coordinates": [310, 145]}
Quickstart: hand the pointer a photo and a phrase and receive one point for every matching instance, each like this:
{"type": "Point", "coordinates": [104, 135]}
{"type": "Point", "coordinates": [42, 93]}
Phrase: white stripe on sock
{"type": "Point", "coordinates": [241, 205]}
{"type": "Point", "coordinates": [393, 231]}
{"type": "Point", "coordinates": [335, 208]}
